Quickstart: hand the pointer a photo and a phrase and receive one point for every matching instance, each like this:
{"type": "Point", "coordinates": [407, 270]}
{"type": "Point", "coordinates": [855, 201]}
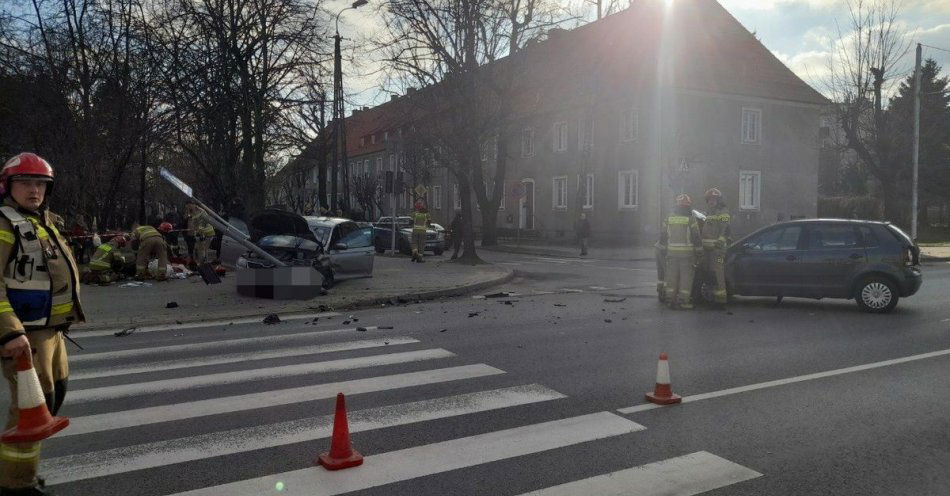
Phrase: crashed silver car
{"type": "Point", "coordinates": [337, 248]}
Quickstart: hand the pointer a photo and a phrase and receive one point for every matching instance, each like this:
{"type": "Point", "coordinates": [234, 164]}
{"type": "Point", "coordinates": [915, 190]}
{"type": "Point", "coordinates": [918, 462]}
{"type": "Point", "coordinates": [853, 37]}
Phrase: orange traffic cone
{"type": "Point", "coordinates": [663, 393]}
{"type": "Point", "coordinates": [36, 423]}
{"type": "Point", "coordinates": [341, 454]}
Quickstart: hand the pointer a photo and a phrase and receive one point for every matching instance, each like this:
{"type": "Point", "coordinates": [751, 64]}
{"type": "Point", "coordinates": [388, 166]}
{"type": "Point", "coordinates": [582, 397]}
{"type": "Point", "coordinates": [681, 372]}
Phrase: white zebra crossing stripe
{"type": "Point", "coordinates": [420, 461]}
{"type": "Point", "coordinates": [187, 383]}
{"type": "Point", "coordinates": [145, 456]}
{"type": "Point", "coordinates": [217, 345]}
{"type": "Point", "coordinates": [109, 371]}
{"type": "Point", "coordinates": [231, 404]}
{"type": "Point", "coordinates": [79, 333]}
{"type": "Point", "coordinates": [686, 475]}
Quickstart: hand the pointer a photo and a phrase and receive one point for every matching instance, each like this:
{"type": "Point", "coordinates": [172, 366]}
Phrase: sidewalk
{"type": "Point", "coordinates": [625, 254]}
{"type": "Point", "coordinates": [393, 279]}
{"type": "Point", "coordinates": [935, 253]}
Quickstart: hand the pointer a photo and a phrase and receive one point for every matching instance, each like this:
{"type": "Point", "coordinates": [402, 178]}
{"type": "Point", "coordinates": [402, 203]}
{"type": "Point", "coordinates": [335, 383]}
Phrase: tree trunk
{"type": "Point", "coordinates": [469, 254]}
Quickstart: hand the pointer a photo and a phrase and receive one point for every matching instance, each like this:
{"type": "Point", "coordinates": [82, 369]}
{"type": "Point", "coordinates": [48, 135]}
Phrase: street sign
{"type": "Point", "coordinates": [421, 190]}
{"type": "Point", "coordinates": [178, 183]}
{"type": "Point", "coordinates": [518, 190]}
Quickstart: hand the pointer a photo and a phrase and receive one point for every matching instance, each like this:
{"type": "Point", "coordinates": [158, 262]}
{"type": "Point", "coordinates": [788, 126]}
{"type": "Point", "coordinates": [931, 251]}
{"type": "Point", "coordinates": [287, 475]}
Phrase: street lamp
{"type": "Point", "coordinates": [339, 127]}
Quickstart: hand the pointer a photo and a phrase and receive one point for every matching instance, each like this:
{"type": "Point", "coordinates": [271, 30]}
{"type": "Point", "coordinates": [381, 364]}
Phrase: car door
{"type": "Point", "coordinates": [360, 252]}
{"type": "Point", "coordinates": [768, 263]}
{"type": "Point", "coordinates": [341, 260]}
{"type": "Point", "coordinates": [833, 253]}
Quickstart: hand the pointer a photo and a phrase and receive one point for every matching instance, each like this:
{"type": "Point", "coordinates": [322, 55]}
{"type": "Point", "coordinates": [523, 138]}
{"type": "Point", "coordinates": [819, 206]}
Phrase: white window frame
{"type": "Point", "coordinates": [362, 141]}
{"type": "Point", "coordinates": [392, 161]}
{"type": "Point", "coordinates": [746, 190]}
{"type": "Point", "coordinates": [366, 167]}
{"type": "Point", "coordinates": [385, 136]}
{"type": "Point", "coordinates": [372, 139]}
{"type": "Point", "coordinates": [750, 135]}
{"type": "Point", "coordinates": [457, 199]}
{"type": "Point", "coordinates": [559, 188]}
{"type": "Point", "coordinates": [585, 124]}
{"type": "Point", "coordinates": [560, 137]}
{"type": "Point", "coordinates": [379, 165]}
{"type": "Point", "coordinates": [437, 197]}
{"type": "Point", "coordinates": [588, 196]}
{"type": "Point", "coordinates": [527, 142]}
{"type": "Point", "coordinates": [622, 176]}
{"type": "Point", "coordinates": [630, 125]}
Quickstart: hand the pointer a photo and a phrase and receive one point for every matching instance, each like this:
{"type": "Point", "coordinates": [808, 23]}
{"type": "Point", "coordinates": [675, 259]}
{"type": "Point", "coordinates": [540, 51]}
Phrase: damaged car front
{"type": "Point", "coordinates": [287, 237]}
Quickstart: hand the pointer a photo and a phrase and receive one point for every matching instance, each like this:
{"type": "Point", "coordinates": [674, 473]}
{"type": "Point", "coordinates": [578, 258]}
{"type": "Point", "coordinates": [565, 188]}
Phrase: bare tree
{"type": "Point", "coordinates": [865, 66]}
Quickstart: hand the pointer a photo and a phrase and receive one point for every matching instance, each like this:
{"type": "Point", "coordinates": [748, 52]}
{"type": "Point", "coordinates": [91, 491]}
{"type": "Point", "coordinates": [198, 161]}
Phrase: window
{"type": "Point", "coordinates": [559, 193]}
{"type": "Point", "coordinates": [750, 187]}
{"type": "Point", "coordinates": [868, 238]}
{"type": "Point", "coordinates": [560, 136]}
{"type": "Point", "coordinates": [585, 133]}
{"type": "Point", "coordinates": [362, 140]}
{"type": "Point", "coordinates": [830, 237]}
{"type": "Point", "coordinates": [366, 166]}
{"type": "Point", "coordinates": [372, 138]}
{"type": "Point", "coordinates": [527, 143]}
{"type": "Point", "coordinates": [437, 197]}
{"type": "Point", "coordinates": [458, 199]}
{"type": "Point", "coordinates": [392, 161]}
{"type": "Point", "coordinates": [776, 239]}
{"type": "Point", "coordinates": [751, 125]}
{"type": "Point", "coordinates": [630, 125]}
{"type": "Point", "coordinates": [358, 237]}
{"type": "Point", "coordinates": [490, 149]}
{"type": "Point", "coordinates": [628, 186]}
{"type": "Point", "coordinates": [588, 191]}
{"type": "Point", "coordinates": [385, 136]}
{"type": "Point", "coordinates": [379, 164]}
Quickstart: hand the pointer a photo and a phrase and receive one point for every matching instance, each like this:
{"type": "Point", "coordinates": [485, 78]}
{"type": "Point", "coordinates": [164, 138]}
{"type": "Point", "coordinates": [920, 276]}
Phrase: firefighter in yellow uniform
{"type": "Point", "coordinates": [151, 244]}
{"type": "Point", "coordinates": [420, 224]}
{"type": "Point", "coordinates": [715, 233]}
{"type": "Point", "coordinates": [107, 263]}
{"type": "Point", "coordinates": [39, 300]}
{"type": "Point", "coordinates": [680, 236]}
{"type": "Point", "coordinates": [203, 232]}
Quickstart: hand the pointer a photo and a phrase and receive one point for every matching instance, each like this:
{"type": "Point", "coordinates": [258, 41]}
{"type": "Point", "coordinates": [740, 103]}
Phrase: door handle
{"type": "Point", "coordinates": [855, 256]}
{"type": "Point", "coordinates": [791, 258]}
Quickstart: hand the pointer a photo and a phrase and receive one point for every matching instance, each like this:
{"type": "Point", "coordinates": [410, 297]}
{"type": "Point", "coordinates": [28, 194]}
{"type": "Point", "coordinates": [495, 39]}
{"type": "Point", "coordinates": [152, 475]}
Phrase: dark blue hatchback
{"type": "Point", "coordinates": [875, 263]}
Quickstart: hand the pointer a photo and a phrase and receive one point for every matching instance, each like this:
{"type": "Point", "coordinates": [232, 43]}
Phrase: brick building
{"type": "Point", "coordinates": [618, 116]}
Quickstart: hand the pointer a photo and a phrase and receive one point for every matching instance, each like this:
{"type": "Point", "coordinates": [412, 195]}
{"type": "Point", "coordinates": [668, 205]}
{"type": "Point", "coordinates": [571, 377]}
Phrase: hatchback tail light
{"type": "Point", "coordinates": [908, 257]}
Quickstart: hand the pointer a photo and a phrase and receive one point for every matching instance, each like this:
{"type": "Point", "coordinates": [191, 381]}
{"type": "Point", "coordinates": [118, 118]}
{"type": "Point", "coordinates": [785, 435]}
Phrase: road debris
{"type": "Point", "coordinates": [346, 322]}
{"type": "Point", "coordinates": [619, 300]}
{"type": "Point", "coordinates": [560, 305]}
{"type": "Point", "coordinates": [472, 314]}
{"type": "Point", "coordinates": [443, 330]}
{"type": "Point", "coordinates": [385, 327]}
{"type": "Point", "coordinates": [360, 329]}
{"type": "Point", "coordinates": [171, 304]}
{"type": "Point", "coordinates": [608, 321]}
{"type": "Point", "coordinates": [272, 319]}
{"type": "Point", "coordinates": [125, 332]}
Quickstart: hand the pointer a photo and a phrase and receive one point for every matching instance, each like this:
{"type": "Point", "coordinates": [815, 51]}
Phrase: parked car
{"type": "Point", "coordinates": [337, 248]}
{"type": "Point", "coordinates": [382, 236]}
{"type": "Point", "coordinates": [875, 263]}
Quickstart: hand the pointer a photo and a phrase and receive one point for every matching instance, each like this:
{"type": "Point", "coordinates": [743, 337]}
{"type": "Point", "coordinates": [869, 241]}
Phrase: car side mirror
{"type": "Point", "coordinates": [340, 246]}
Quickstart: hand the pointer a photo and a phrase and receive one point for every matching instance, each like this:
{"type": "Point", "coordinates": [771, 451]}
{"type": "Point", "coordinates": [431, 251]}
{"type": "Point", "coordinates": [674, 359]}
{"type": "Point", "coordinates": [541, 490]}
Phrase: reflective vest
{"type": "Point", "coordinates": [145, 232]}
{"type": "Point", "coordinates": [29, 288]}
{"type": "Point", "coordinates": [203, 228]}
{"type": "Point", "coordinates": [102, 260]}
{"type": "Point", "coordinates": [420, 222]}
{"type": "Point", "coordinates": [716, 228]}
{"type": "Point", "coordinates": [679, 229]}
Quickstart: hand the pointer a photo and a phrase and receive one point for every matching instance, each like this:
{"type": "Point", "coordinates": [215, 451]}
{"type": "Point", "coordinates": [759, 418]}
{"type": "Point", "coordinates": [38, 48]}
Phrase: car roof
{"type": "Point", "coordinates": [831, 220]}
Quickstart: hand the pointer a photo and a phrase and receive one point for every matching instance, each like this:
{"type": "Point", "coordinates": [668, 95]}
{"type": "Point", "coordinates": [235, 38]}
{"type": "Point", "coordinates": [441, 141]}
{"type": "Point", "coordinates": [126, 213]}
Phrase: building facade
{"type": "Point", "coordinates": [616, 118]}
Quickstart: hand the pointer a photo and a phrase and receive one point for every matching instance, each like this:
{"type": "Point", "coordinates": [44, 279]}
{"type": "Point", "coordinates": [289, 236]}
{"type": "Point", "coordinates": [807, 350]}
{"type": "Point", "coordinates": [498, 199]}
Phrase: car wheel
{"type": "Point", "coordinates": [437, 251]}
{"type": "Point", "coordinates": [876, 295]}
{"type": "Point", "coordinates": [403, 248]}
{"type": "Point", "coordinates": [380, 251]}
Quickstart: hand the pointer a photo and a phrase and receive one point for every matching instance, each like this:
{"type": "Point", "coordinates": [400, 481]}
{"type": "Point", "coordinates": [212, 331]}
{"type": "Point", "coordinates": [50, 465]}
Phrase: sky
{"type": "Point", "coordinates": [801, 33]}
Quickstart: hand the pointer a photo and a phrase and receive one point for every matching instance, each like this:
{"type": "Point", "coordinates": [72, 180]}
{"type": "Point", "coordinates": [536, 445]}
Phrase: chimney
{"type": "Point", "coordinates": [355, 111]}
{"type": "Point", "coordinates": [365, 108]}
{"type": "Point", "coordinates": [393, 98]}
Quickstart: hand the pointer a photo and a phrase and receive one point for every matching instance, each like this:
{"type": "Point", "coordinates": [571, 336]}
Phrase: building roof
{"type": "Point", "coordinates": [689, 44]}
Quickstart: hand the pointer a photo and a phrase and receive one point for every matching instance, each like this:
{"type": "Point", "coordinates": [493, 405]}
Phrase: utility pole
{"type": "Point", "coordinates": [339, 126]}
{"type": "Point", "coordinates": [913, 212]}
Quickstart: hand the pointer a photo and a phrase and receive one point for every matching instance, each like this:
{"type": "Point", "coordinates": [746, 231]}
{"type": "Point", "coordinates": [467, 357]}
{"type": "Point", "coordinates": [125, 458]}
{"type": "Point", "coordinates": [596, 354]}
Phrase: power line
{"type": "Point", "coordinates": [936, 48]}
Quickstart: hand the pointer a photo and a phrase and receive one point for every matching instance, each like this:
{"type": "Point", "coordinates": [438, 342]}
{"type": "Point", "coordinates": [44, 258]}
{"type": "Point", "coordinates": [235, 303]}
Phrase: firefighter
{"type": "Point", "coordinates": [715, 235]}
{"type": "Point", "coordinates": [203, 231]}
{"type": "Point", "coordinates": [680, 236]}
{"type": "Point", "coordinates": [150, 244]}
{"type": "Point", "coordinates": [36, 306]}
{"type": "Point", "coordinates": [420, 223]}
{"type": "Point", "coordinates": [107, 263]}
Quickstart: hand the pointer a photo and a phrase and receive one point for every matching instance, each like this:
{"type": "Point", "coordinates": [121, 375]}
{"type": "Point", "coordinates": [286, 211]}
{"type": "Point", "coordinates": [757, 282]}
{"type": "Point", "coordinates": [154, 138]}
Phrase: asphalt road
{"type": "Point", "coordinates": [538, 391]}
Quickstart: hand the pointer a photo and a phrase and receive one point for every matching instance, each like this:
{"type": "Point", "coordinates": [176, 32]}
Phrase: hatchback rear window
{"type": "Point", "coordinates": [900, 234]}
{"type": "Point", "coordinates": [830, 237]}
